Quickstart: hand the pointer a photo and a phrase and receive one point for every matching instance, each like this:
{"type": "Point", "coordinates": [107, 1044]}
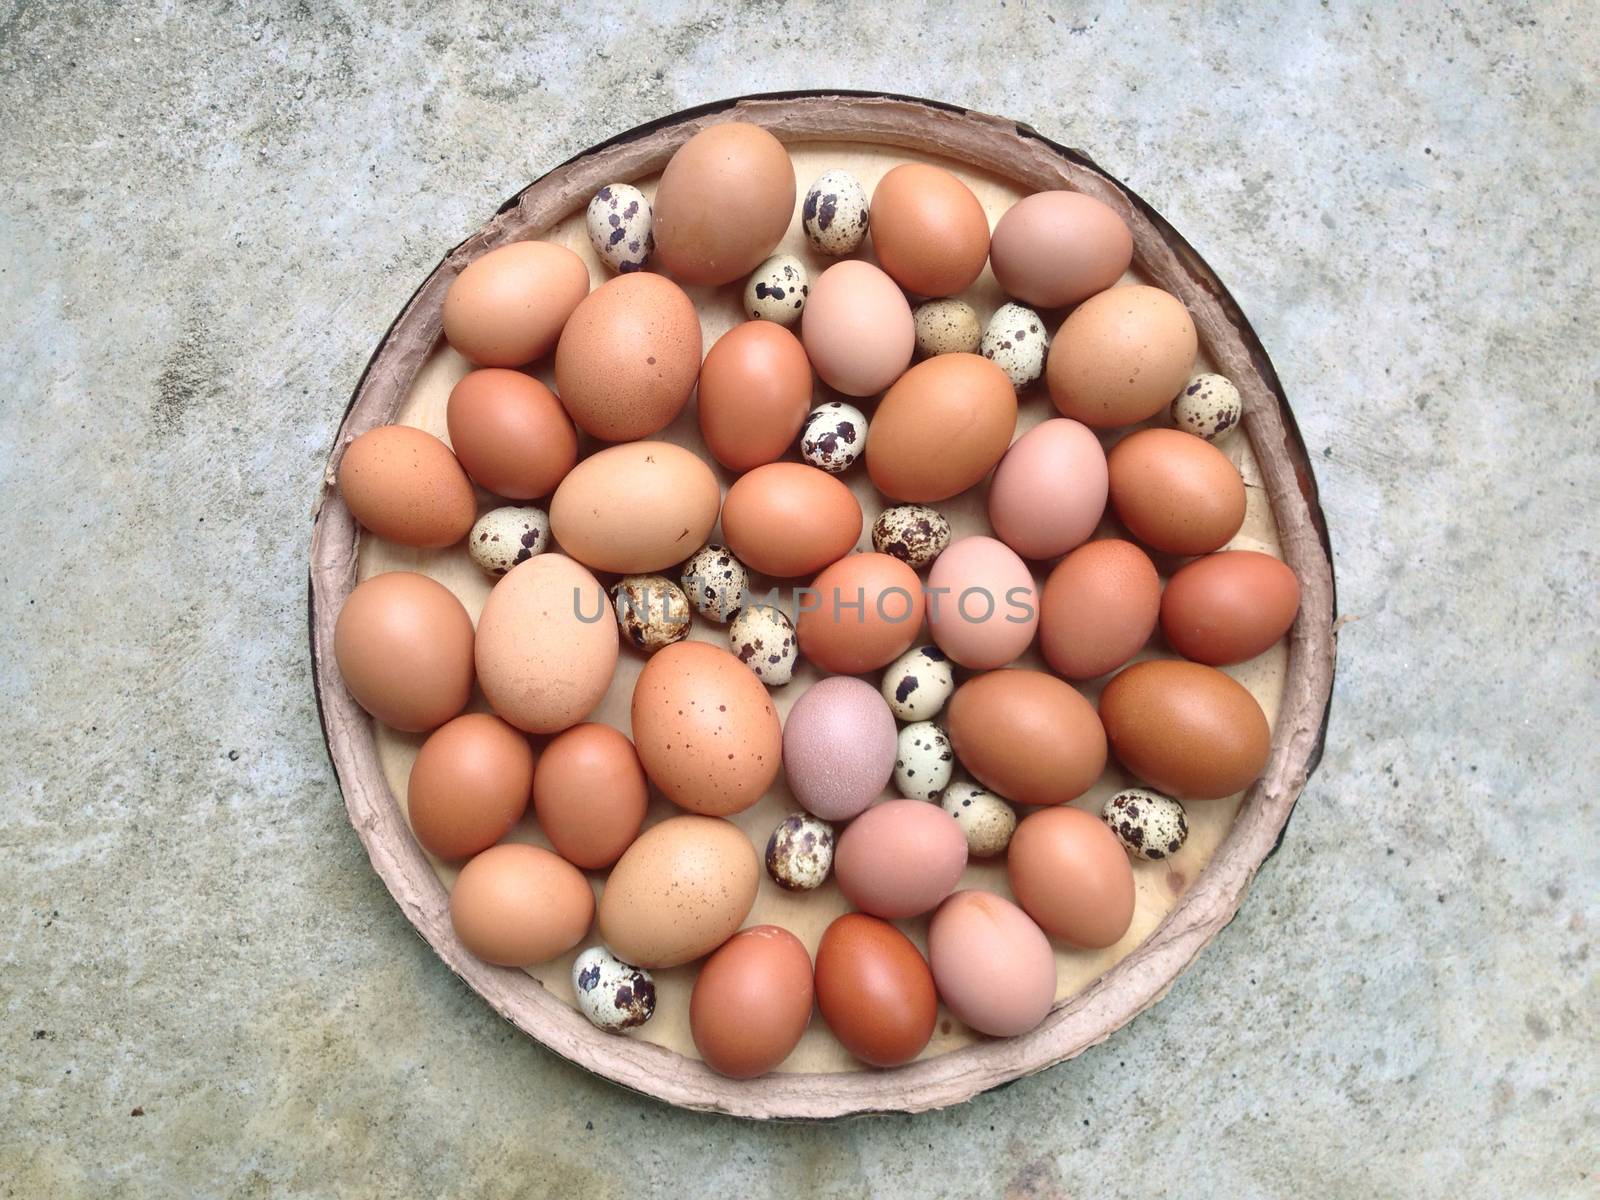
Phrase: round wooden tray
{"type": "Point", "coordinates": [1020, 156]}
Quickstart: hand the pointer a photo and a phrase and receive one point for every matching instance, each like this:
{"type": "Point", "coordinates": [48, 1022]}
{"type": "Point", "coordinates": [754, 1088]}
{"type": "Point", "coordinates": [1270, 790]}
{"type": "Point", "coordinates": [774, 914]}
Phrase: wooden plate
{"type": "Point", "coordinates": [406, 379]}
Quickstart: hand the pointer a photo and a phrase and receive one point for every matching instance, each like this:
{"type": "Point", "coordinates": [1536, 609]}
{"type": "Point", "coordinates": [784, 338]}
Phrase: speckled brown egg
{"type": "Point", "coordinates": [1185, 729]}
{"type": "Point", "coordinates": [928, 230]}
{"type": "Point", "coordinates": [405, 485]}
{"type": "Point", "coordinates": [628, 357]}
{"type": "Point", "coordinates": [724, 201]}
{"type": "Point", "coordinates": [1174, 492]}
{"type": "Point", "coordinates": [875, 990]}
{"type": "Point", "coordinates": [1121, 356]}
{"type": "Point", "coordinates": [679, 891]}
{"type": "Point", "coordinates": [705, 729]}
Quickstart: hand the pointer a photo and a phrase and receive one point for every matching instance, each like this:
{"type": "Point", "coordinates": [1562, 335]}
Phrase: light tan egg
{"type": "Point", "coordinates": [635, 508]}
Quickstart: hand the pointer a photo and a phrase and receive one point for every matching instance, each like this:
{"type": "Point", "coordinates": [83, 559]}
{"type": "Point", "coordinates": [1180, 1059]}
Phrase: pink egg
{"type": "Point", "coordinates": [857, 328]}
{"type": "Point", "coordinates": [992, 965]}
{"type": "Point", "coordinates": [983, 606]}
{"type": "Point", "coordinates": [839, 746]}
{"type": "Point", "coordinates": [900, 858]}
{"type": "Point", "coordinates": [1049, 491]}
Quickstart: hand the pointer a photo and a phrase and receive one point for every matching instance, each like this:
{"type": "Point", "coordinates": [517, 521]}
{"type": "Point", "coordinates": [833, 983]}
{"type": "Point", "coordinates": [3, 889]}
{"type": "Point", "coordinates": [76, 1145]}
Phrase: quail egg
{"type": "Point", "coordinates": [1208, 407]}
{"type": "Point", "coordinates": [918, 683]}
{"type": "Point", "coordinates": [614, 995]}
{"type": "Point", "coordinates": [1150, 825]}
{"type": "Point", "coordinates": [923, 761]}
{"type": "Point", "coordinates": [800, 853]}
{"type": "Point", "coordinates": [834, 436]}
{"type": "Point", "coordinates": [778, 290]}
{"type": "Point", "coordinates": [619, 223]}
{"type": "Point", "coordinates": [716, 582]}
{"type": "Point", "coordinates": [762, 638]}
{"type": "Point", "coordinates": [987, 820]}
{"type": "Point", "coordinates": [913, 534]}
{"type": "Point", "coordinates": [1016, 342]}
{"type": "Point", "coordinates": [503, 537]}
{"type": "Point", "coordinates": [652, 611]}
{"type": "Point", "coordinates": [947, 327]}
{"type": "Point", "coordinates": [835, 213]}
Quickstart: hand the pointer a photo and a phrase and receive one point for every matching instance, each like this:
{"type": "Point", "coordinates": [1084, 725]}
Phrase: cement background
{"type": "Point", "coordinates": [210, 213]}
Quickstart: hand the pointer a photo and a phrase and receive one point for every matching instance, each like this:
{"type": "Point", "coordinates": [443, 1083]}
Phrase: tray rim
{"type": "Point", "coordinates": [1074, 1024]}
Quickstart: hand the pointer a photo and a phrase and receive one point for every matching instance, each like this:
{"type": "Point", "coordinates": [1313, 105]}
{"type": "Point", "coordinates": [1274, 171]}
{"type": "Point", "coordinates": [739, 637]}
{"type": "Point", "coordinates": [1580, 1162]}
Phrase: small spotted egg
{"type": "Point", "coordinates": [762, 638]}
{"type": "Point", "coordinates": [834, 436]}
{"type": "Point", "coordinates": [987, 820]}
{"type": "Point", "coordinates": [1016, 342]}
{"type": "Point", "coordinates": [778, 290]}
{"type": "Point", "coordinates": [947, 327]}
{"type": "Point", "coordinates": [652, 611]}
{"type": "Point", "coordinates": [918, 683]}
{"type": "Point", "coordinates": [503, 537]}
{"type": "Point", "coordinates": [835, 213]}
{"type": "Point", "coordinates": [924, 761]}
{"type": "Point", "coordinates": [1208, 407]}
{"type": "Point", "coordinates": [614, 995]}
{"type": "Point", "coordinates": [620, 227]}
{"type": "Point", "coordinates": [913, 534]}
{"type": "Point", "coordinates": [800, 853]}
{"type": "Point", "coordinates": [716, 582]}
{"type": "Point", "coordinates": [1148, 824]}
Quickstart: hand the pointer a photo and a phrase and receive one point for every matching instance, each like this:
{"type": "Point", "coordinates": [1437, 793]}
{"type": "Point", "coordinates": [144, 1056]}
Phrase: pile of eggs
{"type": "Point", "coordinates": [917, 639]}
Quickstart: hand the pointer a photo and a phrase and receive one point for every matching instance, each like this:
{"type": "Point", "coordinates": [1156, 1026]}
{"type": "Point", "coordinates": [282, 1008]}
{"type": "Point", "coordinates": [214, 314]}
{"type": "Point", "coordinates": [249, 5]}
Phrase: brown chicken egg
{"type": "Point", "coordinates": [1099, 608]}
{"type": "Point", "coordinates": [941, 428]}
{"type": "Point", "coordinates": [723, 204]}
{"type": "Point", "coordinates": [1229, 607]}
{"type": "Point", "coordinates": [469, 785]}
{"type": "Point", "coordinates": [875, 990]}
{"type": "Point", "coordinates": [751, 1002]}
{"type": "Point", "coordinates": [705, 728]}
{"type": "Point", "coordinates": [511, 433]}
{"type": "Point", "coordinates": [1185, 729]}
{"type": "Point", "coordinates": [508, 306]}
{"type": "Point", "coordinates": [547, 644]}
{"type": "Point", "coordinates": [788, 519]}
{"type": "Point", "coordinates": [628, 357]}
{"type": "Point", "coordinates": [635, 508]}
{"type": "Point", "coordinates": [993, 966]}
{"type": "Point", "coordinates": [681, 890]}
{"type": "Point", "coordinates": [1053, 249]}
{"type": "Point", "coordinates": [929, 230]}
{"type": "Point", "coordinates": [406, 485]}
{"type": "Point", "coordinates": [755, 392]}
{"type": "Point", "coordinates": [1072, 876]}
{"type": "Point", "coordinates": [863, 613]}
{"type": "Point", "coordinates": [1027, 735]}
{"type": "Point", "coordinates": [517, 905]}
{"type": "Point", "coordinates": [857, 328]}
{"type": "Point", "coordinates": [1121, 356]}
{"type": "Point", "coordinates": [590, 795]}
{"type": "Point", "coordinates": [1175, 492]}
{"type": "Point", "coordinates": [404, 643]}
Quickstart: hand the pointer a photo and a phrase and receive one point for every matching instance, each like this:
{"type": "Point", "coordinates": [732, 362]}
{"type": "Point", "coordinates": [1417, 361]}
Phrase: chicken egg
{"type": "Point", "coordinates": [941, 428]}
{"type": "Point", "coordinates": [983, 606]}
{"type": "Point", "coordinates": [875, 991]}
{"type": "Point", "coordinates": [469, 785]}
{"type": "Point", "coordinates": [1070, 874]}
{"type": "Point", "coordinates": [517, 905]}
{"type": "Point", "coordinates": [928, 230]}
{"type": "Point", "coordinates": [509, 306]}
{"type": "Point", "coordinates": [857, 328]}
{"type": "Point", "coordinates": [1121, 356]}
{"type": "Point", "coordinates": [724, 202]}
{"type": "Point", "coordinates": [1054, 249]}
{"type": "Point", "coordinates": [1174, 492]}
{"type": "Point", "coordinates": [510, 433]}
{"type": "Point", "coordinates": [1049, 491]}
{"type": "Point", "coordinates": [1228, 607]}
{"type": "Point", "coordinates": [635, 508]}
{"type": "Point", "coordinates": [1027, 735]}
{"type": "Point", "coordinates": [787, 519]}
{"type": "Point", "coordinates": [755, 390]}
{"type": "Point", "coordinates": [405, 485]}
{"type": "Point", "coordinates": [1098, 608]}
{"type": "Point", "coordinates": [751, 1002]}
{"type": "Point", "coordinates": [838, 747]}
{"type": "Point", "coordinates": [404, 647]}
{"type": "Point", "coordinates": [860, 614]}
{"type": "Point", "coordinates": [992, 965]}
{"type": "Point", "coordinates": [590, 795]}
{"type": "Point", "coordinates": [900, 858]}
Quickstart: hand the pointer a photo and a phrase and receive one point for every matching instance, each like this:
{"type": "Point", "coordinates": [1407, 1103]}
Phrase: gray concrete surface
{"type": "Point", "coordinates": [209, 216]}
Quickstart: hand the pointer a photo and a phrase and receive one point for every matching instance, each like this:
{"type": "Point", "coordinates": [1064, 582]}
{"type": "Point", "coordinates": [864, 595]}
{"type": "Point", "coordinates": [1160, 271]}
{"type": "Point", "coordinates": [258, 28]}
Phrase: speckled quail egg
{"type": "Point", "coordinates": [503, 537]}
{"type": "Point", "coordinates": [614, 995]}
{"type": "Point", "coordinates": [1016, 342]}
{"type": "Point", "coordinates": [834, 436]}
{"type": "Point", "coordinates": [947, 327]}
{"type": "Point", "coordinates": [918, 683]}
{"type": "Point", "coordinates": [777, 290]}
{"type": "Point", "coordinates": [835, 213]}
{"type": "Point", "coordinates": [652, 611]}
{"type": "Point", "coordinates": [913, 534]}
{"type": "Point", "coordinates": [923, 761]}
{"type": "Point", "coordinates": [716, 582]}
{"type": "Point", "coordinates": [1148, 824]}
{"type": "Point", "coordinates": [987, 820]}
{"type": "Point", "coordinates": [620, 227]}
{"type": "Point", "coordinates": [762, 638]}
{"type": "Point", "coordinates": [800, 853]}
{"type": "Point", "coordinates": [1208, 407]}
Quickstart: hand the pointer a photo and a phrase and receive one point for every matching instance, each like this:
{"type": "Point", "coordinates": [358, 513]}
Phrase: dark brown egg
{"type": "Point", "coordinates": [1229, 607]}
{"type": "Point", "coordinates": [875, 990]}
